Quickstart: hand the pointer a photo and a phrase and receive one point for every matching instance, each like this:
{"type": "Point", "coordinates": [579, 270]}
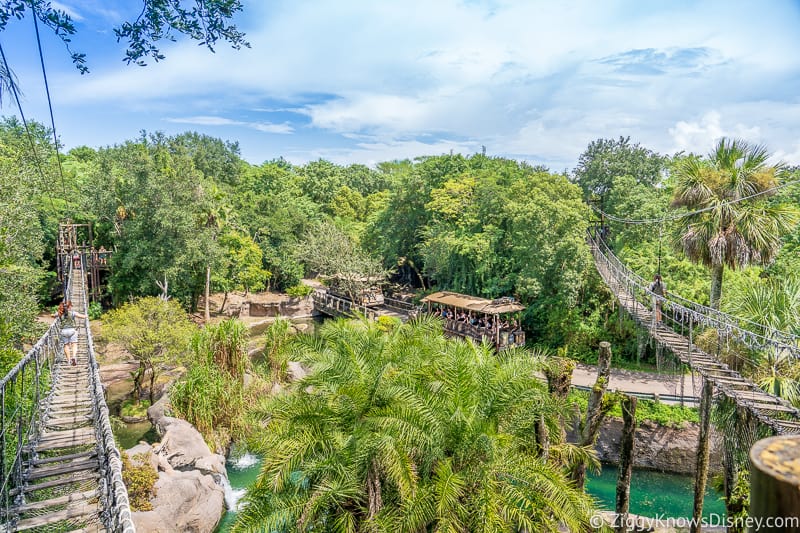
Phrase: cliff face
{"type": "Point", "coordinates": [656, 447]}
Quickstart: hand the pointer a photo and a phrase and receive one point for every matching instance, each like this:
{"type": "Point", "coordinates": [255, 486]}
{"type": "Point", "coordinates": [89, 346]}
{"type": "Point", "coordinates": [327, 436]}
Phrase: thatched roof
{"type": "Point", "coordinates": [473, 303]}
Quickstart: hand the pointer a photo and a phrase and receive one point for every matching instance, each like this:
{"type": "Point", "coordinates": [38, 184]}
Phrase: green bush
{"type": "Point", "coordinates": [140, 482]}
{"type": "Point", "coordinates": [300, 290]}
{"type": "Point", "coordinates": [646, 411]}
{"type": "Point", "coordinates": [95, 310]}
{"type": "Point", "coordinates": [132, 409]}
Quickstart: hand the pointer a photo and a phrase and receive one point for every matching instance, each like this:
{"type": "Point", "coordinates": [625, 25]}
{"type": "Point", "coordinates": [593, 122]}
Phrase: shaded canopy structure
{"type": "Point", "coordinates": [503, 335]}
{"type": "Point", "coordinates": [473, 303]}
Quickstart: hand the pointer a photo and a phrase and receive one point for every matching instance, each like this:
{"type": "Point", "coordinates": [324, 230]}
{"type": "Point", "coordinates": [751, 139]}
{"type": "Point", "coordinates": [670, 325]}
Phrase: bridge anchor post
{"type": "Point", "coordinates": [775, 484]}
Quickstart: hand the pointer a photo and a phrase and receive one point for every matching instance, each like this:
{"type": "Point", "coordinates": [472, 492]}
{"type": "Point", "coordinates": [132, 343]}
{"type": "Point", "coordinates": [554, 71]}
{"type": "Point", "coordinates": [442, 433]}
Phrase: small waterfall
{"type": "Point", "coordinates": [232, 496]}
{"type": "Point", "coordinates": [235, 465]}
{"type": "Point", "coordinates": [244, 461]}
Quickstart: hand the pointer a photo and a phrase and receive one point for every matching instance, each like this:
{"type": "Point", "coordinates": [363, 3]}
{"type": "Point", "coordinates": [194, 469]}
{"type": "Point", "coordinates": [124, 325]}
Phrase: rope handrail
{"type": "Point", "coordinates": [113, 493]}
{"type": "Point", "coordinates": [683, 309]}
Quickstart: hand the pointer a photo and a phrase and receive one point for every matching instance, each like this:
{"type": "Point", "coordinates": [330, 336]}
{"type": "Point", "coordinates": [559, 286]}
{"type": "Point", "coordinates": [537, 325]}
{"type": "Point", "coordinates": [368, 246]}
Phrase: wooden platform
{"type": "Point", "coordinates": [741, 390]}
{"type": "Point", "coordinates": [61, 471]}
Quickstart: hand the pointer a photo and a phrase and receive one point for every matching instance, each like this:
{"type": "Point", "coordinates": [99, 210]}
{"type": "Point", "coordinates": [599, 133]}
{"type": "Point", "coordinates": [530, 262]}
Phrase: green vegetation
{"type": "Point", "coordinates": [651, 411]}
{"type": "Point", "coordinates": [408, 431]}
{"type": "Point", "coordinates": [178, 210]}
{"type": "Point", "coordinates": [155, 332]}
{"type": "Point", "coordinates": [300, 290]}
{"type": "Point", "coordinates": [212, 394]}
{"type": "Point", "coordinates": [134, 408]}
{"type": "Point", "coordinates": [140, 480]}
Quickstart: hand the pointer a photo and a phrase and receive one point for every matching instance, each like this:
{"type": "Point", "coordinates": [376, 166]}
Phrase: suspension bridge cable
{"type": "Point", "coordinates": [49, 104]}
{"type": "Point", "coordinates": [14, 91]}
{"type": "Point", "coordinates": [690, 213]}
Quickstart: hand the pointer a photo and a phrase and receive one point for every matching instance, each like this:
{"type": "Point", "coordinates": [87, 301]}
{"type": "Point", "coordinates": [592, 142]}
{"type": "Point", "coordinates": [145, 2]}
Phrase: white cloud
{"type": "Point", "coordinates": [538, 79]}
{"type": "Point", "coordinates": [74, 15]}
{"type": "Point", "coordinates": [266, 127]}
{"type": "Point", "coordinates": [701, 135]}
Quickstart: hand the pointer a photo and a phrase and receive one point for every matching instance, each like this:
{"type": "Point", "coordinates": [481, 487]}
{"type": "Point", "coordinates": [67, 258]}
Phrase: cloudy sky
{"type": "Point", "coordinates": [369, 81]}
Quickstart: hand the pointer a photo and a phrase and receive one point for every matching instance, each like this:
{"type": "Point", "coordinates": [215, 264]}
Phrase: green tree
{"type": "Point", "coordinates": [241, 265]}
{"type": "Point", "coordinates": [25, 186]}
{"type": "Point", "coordinates": [775, 304]}
{"type": "Point", "coordinates": [406, 431]}
{"type": "Point", "coordinates": [155, 332]}
{"type": "Point", "coordinates": [607, 159]}
{"type": "Point", "coordinates": [729, 232]}
{"type": "Point", "coordinates": [162, 210]}
{"type": "Point", "coordinates": [333, 254]}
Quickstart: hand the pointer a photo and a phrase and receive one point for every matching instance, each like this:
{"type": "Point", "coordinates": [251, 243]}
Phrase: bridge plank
{"type": "Point", "coordinates": [59, 469]}
{"type": "Point", "coordinates": [81, 512]}
{"type": "Point", "coordinates": [53, 502]}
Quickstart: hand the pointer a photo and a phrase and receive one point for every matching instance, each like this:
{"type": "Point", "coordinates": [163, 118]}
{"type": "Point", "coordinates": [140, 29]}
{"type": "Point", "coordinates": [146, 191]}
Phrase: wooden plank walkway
{"type": "Point", "coordinates": [765, 407]}
{"type": "Point", "coordinates": [61, 473]}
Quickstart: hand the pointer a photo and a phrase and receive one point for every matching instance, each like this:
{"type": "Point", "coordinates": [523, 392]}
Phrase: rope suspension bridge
{"type": "Point", "coordinates": [60, 468]}
{"type": "Point", "coordinates": [683, 319]}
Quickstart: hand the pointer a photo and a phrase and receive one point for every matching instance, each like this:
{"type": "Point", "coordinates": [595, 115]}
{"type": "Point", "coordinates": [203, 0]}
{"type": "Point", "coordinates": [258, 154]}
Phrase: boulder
{"type": "Point", "coordinates": [189, 493]}
{"type": "Point", "coordinates": [185, 501]}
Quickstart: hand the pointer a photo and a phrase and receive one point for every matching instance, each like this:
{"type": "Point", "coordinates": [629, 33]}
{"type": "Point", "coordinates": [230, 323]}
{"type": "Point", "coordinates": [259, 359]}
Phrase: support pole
{"type": "Point", "coordinates": [625, 463]}
{"type": "Point", "coordinates": [701, 474]}
{"type": "Point", "coordinates": [594, 411]}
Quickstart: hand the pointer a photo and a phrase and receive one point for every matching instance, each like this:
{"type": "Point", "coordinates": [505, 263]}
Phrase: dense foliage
{"type": "Point", "coordinates": [407, 431]}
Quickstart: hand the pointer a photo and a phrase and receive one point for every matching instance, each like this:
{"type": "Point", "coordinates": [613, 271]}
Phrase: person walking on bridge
{"type": "Point", "coordinates": [69, 330]}
{"type": "Point", "coordinates": [659, 289]}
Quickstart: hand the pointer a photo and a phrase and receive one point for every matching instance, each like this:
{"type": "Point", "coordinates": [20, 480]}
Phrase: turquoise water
{"type": "Point", "coordinates": [653, 493]}
{"type": "Point", "coordinates": [241, 473]}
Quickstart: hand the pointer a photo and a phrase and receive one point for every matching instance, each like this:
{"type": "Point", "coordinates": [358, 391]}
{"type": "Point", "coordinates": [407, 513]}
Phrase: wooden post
{"type": "Point", "coordinates": [594, 411]}
{"type": "Point", "coordinates": [625, 462]}
{"type": "Point", "coordinates": [701, 474]}
{"type": "Point", "coordinates": [775, 484]}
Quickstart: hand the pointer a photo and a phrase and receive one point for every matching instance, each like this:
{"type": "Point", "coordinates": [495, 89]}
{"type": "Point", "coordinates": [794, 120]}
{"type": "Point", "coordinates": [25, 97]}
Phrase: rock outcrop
{"type": "Point", "coordinates": [657, 447]}
{"type": "Point", "coordinates": [189, 492]}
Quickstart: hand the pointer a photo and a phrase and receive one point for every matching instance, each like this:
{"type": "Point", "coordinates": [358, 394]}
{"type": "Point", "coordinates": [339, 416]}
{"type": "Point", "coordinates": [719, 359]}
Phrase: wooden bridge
{"type": "Point", "coordinates": [335, 306]}
{"type": "Point", "coordinates": [682, 319]}
{"type": "Point", "coordinates": [60, 469]}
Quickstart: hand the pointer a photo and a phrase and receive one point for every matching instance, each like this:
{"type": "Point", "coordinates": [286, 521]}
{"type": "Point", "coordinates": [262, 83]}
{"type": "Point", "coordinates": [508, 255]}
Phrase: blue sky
{"type": "Point", "coordinates": [364, 82]}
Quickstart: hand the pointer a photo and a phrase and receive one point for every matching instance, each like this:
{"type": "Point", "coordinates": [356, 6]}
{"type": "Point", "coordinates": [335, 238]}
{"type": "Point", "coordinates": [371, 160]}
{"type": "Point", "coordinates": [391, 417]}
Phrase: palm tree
{"type": "Point", "coordinates": [725, 234]}
{"type": "Point", "coordinates": [727, 231]}
{"type": "Point", "coordinates": [776, 306]}
{"type": "Point", "coordinates": [405, 431]}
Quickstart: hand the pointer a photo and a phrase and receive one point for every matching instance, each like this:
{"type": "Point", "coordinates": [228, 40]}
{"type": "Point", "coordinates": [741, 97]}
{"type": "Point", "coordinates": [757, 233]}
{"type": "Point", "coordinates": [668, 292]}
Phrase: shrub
{"type": "Point", "coordinates": [646, 410]}
{"type": "Point", "coordinates": [140, 481]}
{"type": "Point", "coordinates": [132, 409]}
{"type": "Point", "coordinates": [95, 310]}
{"type": "Point", "coordinates": [300, 290]}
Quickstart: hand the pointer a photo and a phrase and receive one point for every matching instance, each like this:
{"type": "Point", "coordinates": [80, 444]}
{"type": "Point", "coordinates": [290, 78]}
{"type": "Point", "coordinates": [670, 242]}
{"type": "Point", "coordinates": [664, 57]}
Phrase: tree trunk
{"type": "Point", "coordinates": [716, 285]}
{"type": "Point", "coordinates": [207, 313]}
{"type": "Point", "coordinates": [594, 412]}
{"type": "Point", "coordinates": [224, 300]}
{"type": "Point", "coordinates": [559, 380]}
{"type": "Point", "coordinates": [374, 491]}
{"type": "Point", "coordinates": [152, 383]}
{"type": "Point", "coordinates": [625, 462]}
{"type": "Point", "coordinates": [701, 474]}
{"type": "Point", "coordinates": [543, 438]}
